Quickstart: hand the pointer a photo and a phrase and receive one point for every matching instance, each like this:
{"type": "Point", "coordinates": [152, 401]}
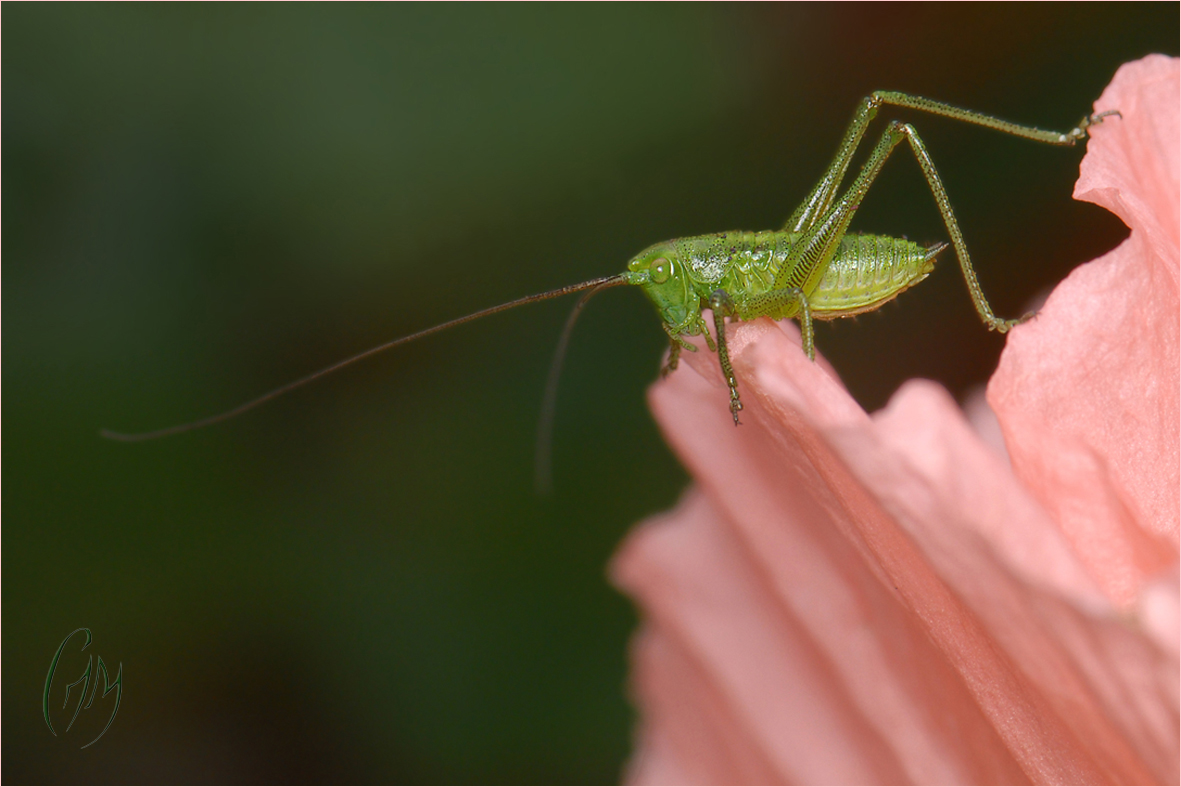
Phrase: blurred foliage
{"type": "Point", "coordinates": [356, 583]}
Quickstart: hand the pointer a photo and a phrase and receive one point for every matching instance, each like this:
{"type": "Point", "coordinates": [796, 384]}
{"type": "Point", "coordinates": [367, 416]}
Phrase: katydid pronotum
{"type": "Point", "coordinates": [810, 269]}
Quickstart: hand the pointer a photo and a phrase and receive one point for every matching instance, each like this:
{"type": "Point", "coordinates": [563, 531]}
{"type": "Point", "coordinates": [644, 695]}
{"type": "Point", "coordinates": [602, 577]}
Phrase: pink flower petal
{"type": "Point", "coordinates": [846, 598]}
{"type": "Point", "coordinates": [1087, 394]}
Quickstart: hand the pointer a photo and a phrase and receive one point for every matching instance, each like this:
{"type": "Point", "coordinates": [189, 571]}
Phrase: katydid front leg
{"type": "Point", "coordinates": [674, 355]}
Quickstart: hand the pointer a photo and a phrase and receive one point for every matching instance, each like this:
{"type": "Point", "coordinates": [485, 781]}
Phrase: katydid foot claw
{"type": "Point", "coordinates": [735, 407]}
{"type": "Point", "coordinates": [1004, 326]}
{"type": "Point", "coordinates": [1094, 119]}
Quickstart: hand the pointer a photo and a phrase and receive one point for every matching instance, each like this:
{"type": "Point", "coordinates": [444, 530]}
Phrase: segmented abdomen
{"type": "Point", "coordinates": [867, 271]}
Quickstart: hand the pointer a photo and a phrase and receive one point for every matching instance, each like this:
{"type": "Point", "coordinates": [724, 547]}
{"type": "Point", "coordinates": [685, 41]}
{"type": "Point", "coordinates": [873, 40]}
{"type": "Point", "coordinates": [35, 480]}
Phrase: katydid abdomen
{"type": "Point", "coordinates": [867, 271]}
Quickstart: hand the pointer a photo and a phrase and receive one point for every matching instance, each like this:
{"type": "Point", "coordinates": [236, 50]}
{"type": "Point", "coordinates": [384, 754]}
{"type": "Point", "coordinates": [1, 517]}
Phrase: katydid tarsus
{"type": "Point", "coordinates": [810, 269]}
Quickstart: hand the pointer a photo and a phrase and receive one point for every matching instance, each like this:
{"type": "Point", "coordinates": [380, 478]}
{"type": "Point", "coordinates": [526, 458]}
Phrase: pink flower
{"type": "Point", "coordinates": [865, 599]}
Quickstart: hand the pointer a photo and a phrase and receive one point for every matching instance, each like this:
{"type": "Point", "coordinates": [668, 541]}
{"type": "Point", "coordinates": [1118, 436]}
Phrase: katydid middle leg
{"type": "Point", "coordinates": [722, 307]}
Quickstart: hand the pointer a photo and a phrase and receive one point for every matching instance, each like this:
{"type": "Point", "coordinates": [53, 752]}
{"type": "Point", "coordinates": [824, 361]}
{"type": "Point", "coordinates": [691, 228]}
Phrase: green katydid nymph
{"type": "Point", "coordinates": [810, 269]}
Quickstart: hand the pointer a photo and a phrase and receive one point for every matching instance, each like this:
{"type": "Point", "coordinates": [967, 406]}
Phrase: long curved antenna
{"type": "Point", "coordinates": [250, 405]}
{"type": "Point", "coordinates": [542, 463]}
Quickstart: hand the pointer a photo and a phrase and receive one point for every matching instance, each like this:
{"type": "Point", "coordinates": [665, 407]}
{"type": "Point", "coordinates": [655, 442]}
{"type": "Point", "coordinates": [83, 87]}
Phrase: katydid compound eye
{"type": "Point", "coordinates": [661, 270]}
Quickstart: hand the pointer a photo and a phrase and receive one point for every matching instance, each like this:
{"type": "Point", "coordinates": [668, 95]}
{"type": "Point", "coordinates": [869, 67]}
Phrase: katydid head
{"type": "Point", "coordinates": [661, 273]}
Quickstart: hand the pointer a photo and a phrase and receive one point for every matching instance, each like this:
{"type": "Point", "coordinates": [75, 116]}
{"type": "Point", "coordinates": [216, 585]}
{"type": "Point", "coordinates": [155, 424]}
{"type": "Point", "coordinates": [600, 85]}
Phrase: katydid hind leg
{"type": "Point", "coordinates": [818, 202]}
{"type": "Point", "coordinates": [812, 253]}
{"type": "Point", "coordinates": [1068, 138]}
{"type": "Point", "coordinates": [808, 261]}
{"type": "Point", "coordinates": [983, 308]}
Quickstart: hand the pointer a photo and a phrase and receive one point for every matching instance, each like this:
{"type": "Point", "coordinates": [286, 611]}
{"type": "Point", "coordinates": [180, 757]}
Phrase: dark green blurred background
{"type": "Point", "coordinates": [357, 583]}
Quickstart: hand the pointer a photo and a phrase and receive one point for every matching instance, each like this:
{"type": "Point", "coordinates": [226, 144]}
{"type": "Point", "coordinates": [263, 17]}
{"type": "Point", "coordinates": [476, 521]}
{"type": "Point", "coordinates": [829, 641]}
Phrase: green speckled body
{"type": "Point", "coordinates": [864, 272]}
